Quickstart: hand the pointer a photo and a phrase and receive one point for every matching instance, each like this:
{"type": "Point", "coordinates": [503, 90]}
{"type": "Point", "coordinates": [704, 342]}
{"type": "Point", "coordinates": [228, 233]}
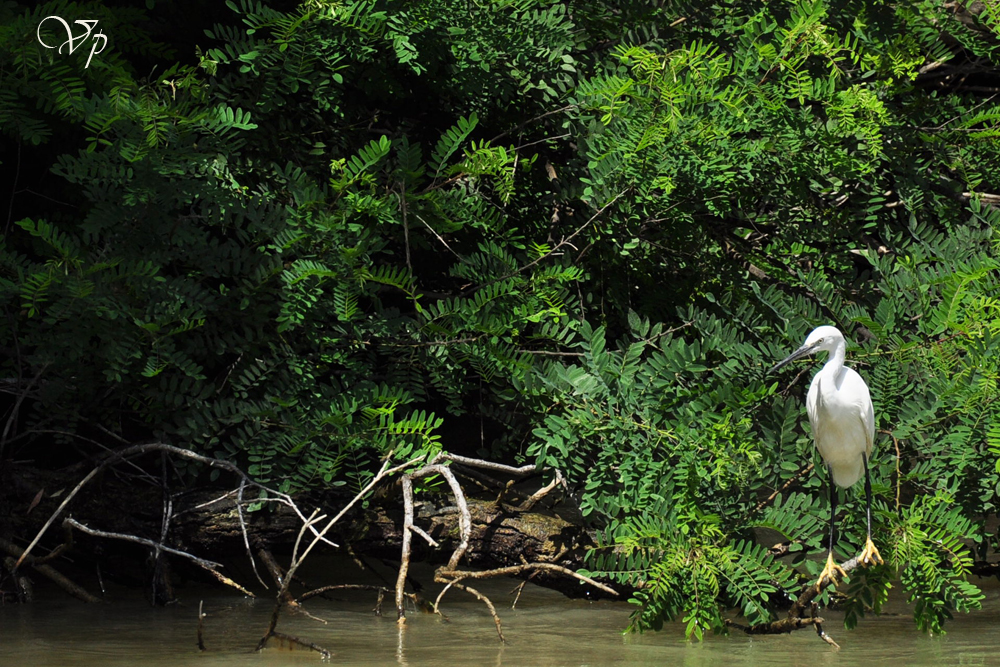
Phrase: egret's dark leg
{"type": "Point", "coordinates": [833, 507]}
{"type": "Point", "coordinates": [831, 571]}
{"type": "Point", "coordinates": [869, 554]}
{"type": "Point", "coordinates": [868, 493]}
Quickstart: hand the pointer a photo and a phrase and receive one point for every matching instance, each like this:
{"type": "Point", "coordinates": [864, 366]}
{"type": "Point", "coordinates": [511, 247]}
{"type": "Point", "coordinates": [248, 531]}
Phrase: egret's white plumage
{"type": "Point", "coordinates": [843, 424]}
{"type": "Point", "coordinates": [840, 410]}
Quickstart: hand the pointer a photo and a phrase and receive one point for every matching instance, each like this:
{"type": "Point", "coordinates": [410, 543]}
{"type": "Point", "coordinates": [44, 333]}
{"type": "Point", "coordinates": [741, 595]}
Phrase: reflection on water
{"type": "Point", "coordinates": [544, 630]}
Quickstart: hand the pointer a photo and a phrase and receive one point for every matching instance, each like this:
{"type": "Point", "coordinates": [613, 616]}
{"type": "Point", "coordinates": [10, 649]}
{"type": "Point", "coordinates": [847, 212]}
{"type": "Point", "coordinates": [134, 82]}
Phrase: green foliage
{"type": "Point", "coordinates": [574, 235]}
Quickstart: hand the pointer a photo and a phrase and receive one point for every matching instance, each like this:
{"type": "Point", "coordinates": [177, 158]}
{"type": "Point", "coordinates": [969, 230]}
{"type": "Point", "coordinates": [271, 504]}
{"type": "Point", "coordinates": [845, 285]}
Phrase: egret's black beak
{"type": "Point", "coordinates": [803, 351]}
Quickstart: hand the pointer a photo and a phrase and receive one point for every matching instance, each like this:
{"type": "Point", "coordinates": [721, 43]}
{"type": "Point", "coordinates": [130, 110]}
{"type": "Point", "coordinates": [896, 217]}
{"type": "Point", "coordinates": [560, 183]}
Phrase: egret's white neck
{"type": "Point", "coordinates": [835, 364]}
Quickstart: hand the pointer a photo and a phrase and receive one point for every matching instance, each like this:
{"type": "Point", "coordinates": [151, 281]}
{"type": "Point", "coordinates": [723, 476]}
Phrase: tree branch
{"type": "Point", "coordinates": [795, 619]}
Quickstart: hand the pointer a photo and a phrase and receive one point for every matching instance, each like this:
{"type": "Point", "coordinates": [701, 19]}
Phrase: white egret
{"type": "Point", "coordinates": [843, 426]}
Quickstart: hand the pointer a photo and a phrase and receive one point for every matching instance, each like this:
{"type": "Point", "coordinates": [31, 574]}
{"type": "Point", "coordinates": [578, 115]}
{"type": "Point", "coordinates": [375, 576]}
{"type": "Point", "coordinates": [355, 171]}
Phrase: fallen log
{"type": "Point", "coordinates": [499, 537]}
{"type": "Point", "coordinates": [505, 531]}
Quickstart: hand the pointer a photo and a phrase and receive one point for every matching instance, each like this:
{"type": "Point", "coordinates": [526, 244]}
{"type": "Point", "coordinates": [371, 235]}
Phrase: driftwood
{"type": "Point", "coordinates": [449, 574]}
{"type": "Point", "coordinates": [298, 557]}
{"type": "Point", "coordinates": [505, 530]}
{"type": "Point", "coordinates": [163, 527]}
{"type": "Point", "coordinates": [502, 530]}
{"type": "Point", "coordinates": [499, 537]}
{"type": "Point", "coordinates": [500, 534]}
{"type": "Point", "coordinates": [14, 552]}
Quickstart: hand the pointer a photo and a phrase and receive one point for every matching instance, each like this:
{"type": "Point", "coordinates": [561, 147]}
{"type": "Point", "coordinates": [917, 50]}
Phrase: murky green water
{"type": "Point", "coordinates": [544, 630]}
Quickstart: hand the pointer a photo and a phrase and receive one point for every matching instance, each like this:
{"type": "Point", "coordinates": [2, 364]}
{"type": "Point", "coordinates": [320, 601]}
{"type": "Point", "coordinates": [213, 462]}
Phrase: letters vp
{"type": "Point", "coordinates": [75, 41]}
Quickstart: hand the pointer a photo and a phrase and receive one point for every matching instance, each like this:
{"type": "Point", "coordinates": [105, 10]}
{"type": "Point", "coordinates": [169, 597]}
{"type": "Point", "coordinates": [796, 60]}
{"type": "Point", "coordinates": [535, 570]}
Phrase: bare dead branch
{"type": "Point", "coordinates": [422, 533]}
{"type": "Point", "coordinates": [152, 544]}
{"type": "Point", "coordinates": [210, 566]}
{"type": "Point", "coordinates": [795, 619]}
{"type": "Point", "coordinates": [814, 608]}
{"type": "Point", "coordinates": [449, 574]}
{"type": "Point", "coordinates": [295, 641]}
{"type": "Point", "coordinates": [764, 503]}
{"type": "Point", "coordinates": [437, 600]}
{"type": "Point", "coordinates": [489, 605]}
{"type": "Point", "coordinates": [283, 598]}
{"type": "Point", "coordinates": [533, 499]}
{"type": "Point", "coordinates": [459, 575]}
{"type": "Point", "coordinates": [277, 574]}
{"type": "Point", "coordinates": [464, 517]}
{"type": "Point", "coordinates": [384, 472]}
{"type": "Point", "coordinates": [518, 589]}
{"type": "Point", "coordinates": [136, 450]}
{"type": "Point", "coordinates": [243, 532]}
{"type": "Point", "coordinates": [784, 626]}
{"type": "Point", "coordinates": [201, 625]}
{"type": "Point", "coordinates": [46, 571]}
{"type": "Point", "coordinates": [487, 465]}
{"type": "Point", "coordinates": [404, 560]}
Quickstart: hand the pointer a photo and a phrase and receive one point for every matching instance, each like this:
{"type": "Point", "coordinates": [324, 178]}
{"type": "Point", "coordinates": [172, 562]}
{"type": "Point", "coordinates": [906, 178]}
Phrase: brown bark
{"type": "Point", "coordinates": [499, 538]}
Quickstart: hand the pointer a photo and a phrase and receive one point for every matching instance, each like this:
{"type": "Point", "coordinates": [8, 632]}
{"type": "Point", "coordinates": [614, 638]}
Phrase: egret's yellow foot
{"type": "Point", "coordinates": [869, 555]}
{"type": "Point", "coordinates": [832, 572]}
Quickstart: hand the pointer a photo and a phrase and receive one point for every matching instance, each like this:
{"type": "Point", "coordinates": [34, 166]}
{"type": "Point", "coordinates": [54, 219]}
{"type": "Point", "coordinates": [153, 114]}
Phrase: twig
{"type": "Point", "coordinates": [795, 619]}
{"type": "Point", "coordinates": [277, 574]}
{"type": "Point", "coordinates": [406, 224]}
{"type": "Point", "coordinates": [441, 239]}
{"type": "Point", "coordinates": [552, 353]}
{"type": "Point", "coordinates": [818, 624]}
{"type": "Point", "coordinates": [459, 575]}
{"type": "Point", "coordinates": [532, 120]}
{"type": "Point", "coordinates": [295, 640]}
{"type": "Point", "coordinates": [422, 533]}
{"type": "Point", "coordinates": [243, 531]}
{"type": "Point", "coordinates": [201, 562]}
{"type": "Point", "coordinates": [349, 587]}
{"type": "Point", "coordinates": [762, 504]}
{"type": "Point", "coordinates": [533, 499]}
{"type": "Point", "coordinates": [520, 587]}
{"type": "Point", "coordinates": [136, 450]}
{"type": "Point", "coordinates": [20, 399]}
{"type": "Point", "coordinates": [47, 571]}
{"type": "Point", "coordinates": [541, 141]}
{"type": "Point", "coordinates": [489, 605]}
{"type": "Point", "coordinates": [565, 241]}
{"type": "Point", "coordinates": [73, 523]}
{"type": "Point", "coordinates": [895, 442]}
{"type": "Point", "coordinates": [201, 624]}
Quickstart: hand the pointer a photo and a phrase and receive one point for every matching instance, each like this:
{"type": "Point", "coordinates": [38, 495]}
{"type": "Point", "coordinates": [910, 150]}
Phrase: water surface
{"type": "Point", "coordinates": [545, 629]}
